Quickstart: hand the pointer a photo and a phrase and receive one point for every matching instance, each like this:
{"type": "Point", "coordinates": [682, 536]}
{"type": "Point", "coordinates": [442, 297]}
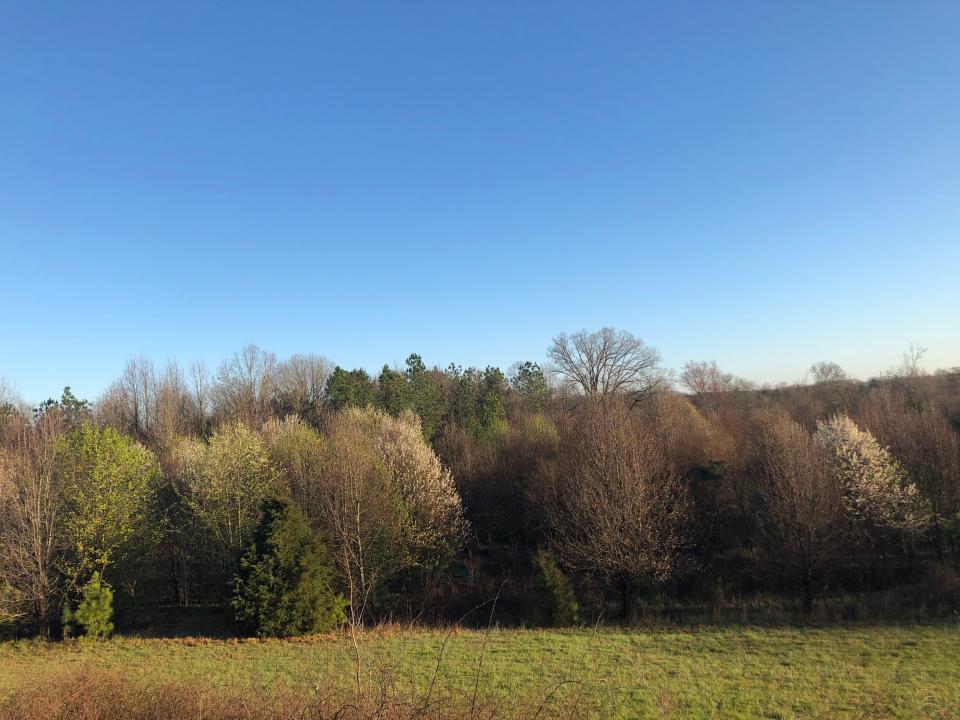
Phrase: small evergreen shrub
{"type": "Point", "coordinates": [285, 583]}
{"type": "Point", "coordinates": [556, 590]}
{"type": "Point", "coordinates": [951, 528]}
{"type": "Point", "coordinates": [94, 612]}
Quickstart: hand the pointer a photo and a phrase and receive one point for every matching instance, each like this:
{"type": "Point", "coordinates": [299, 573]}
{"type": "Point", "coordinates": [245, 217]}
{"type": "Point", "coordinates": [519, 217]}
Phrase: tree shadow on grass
{"type": "Point", "coordinates": [172, 621]}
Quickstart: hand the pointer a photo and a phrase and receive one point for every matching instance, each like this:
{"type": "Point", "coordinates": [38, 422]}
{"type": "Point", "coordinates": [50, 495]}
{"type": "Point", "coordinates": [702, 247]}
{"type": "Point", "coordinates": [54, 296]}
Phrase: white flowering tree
{"type": "Point", "coordinates": [428, 504]}
{"type": "Point", "coordinates": [387, 503]}
{"type": "Point", "coordinates": [877, 493]}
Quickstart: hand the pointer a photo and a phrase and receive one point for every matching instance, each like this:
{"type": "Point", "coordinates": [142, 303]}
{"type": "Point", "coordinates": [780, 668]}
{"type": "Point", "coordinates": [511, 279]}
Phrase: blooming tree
{"type": "Point", "coordinates": [431, 513]}
{"type": "Point", "coordinates": [876, 490]}
{"type": "Point", "coordinates": [387, 503]}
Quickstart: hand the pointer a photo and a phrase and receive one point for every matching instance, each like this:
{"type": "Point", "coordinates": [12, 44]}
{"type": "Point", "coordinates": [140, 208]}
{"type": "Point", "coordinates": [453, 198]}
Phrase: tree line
{"type": "Point", "coordinates": [301, 494]}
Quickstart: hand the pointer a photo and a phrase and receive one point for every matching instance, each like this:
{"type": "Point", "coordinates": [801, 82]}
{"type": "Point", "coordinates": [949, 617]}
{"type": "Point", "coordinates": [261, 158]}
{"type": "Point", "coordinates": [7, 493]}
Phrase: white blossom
{"type": "Point", "coordinates": [876, 489]}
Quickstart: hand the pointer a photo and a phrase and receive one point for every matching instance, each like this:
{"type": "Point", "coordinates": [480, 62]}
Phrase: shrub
{"type": "Point", "coordinates": [94, 611]}
{"type": "Point", "coordinates": [555, 590]}
{"type": "Point", "coordinates": [951, 528]}
{"type": "Point", "coordinates": [284, 584]}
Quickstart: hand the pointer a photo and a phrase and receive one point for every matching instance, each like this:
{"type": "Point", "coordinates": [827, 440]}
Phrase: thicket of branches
{"type": "Point", "coordinates": [430, 489]}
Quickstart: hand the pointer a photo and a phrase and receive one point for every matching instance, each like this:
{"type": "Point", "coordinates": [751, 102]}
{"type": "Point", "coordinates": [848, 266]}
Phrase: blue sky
{"type": "Point", "coordinates": [765, 184]}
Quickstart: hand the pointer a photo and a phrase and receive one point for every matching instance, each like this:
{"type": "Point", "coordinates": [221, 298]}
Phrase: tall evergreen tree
{"type": "Point", "coordinates": [285, 583]}
{"type": "Point", "coordinates": [349, 388]}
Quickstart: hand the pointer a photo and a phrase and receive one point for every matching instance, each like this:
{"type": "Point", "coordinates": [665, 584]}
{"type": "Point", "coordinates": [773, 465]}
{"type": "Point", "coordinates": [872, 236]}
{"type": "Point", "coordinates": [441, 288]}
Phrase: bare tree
{"type": "Point", "coordinates": [607, 363]}
{"type": "Point", "coordinates": [7, 394]}
{"type": "Point", "coordinates": [919, 435]}
{"type": "Point", "coordinates": [799, 513]}
{"type": "Point", "coordinates": [683, 434]}
{"type": "Point", "coordinates": [245, 385]}
{"type": "Point", "coordinates": [139, 380]}
{"type": "Point", "coordinates": [619, 508]}
{"type": "Point", "coordinates": [834, 381]}
{"type": "Point", "coordinates": [152, 407]}
{"type": "Point", "coordinates": [200, 393]}
{"type": "Point", "coordinates": [709, 383]}
{"type": "Point", "coordinates": [11, 404]}
{"type": "Point", "coordinates": [172, 405]}
{"type": "Point", "coordinates": [112, 408]}
{"type": "Point", "coordinates": [911, 366]}
{"type": "Point", "coordinates": [9, 397]}
{"type": "Point", "coordinates": [352, 513]}
{"type": "Point", "coordinates": [127, 404]}
{"type": "Point", "coordinates": [29, 510]}
{"type": "Point", "coordinates": [300, 384]}
{"type": "Point", "coordinates": [827, 372]}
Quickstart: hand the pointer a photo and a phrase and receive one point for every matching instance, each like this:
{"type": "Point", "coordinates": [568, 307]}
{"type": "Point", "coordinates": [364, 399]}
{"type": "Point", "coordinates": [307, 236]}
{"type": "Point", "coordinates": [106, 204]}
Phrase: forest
{"type": "Point", "coordinates": [276, 497]}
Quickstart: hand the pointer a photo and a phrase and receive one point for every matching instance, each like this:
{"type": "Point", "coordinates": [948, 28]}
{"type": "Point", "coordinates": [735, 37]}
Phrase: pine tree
{"type": "Point", "coordinates": [94, 612]}
{"type": "Point", "coordinates": [557, 593]}
{"type": "Point", "coordinates": [284, 586]}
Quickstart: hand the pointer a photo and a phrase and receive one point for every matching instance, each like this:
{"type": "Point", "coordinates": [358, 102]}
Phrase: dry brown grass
{"type": "Point", "coordinates": [96, 694]}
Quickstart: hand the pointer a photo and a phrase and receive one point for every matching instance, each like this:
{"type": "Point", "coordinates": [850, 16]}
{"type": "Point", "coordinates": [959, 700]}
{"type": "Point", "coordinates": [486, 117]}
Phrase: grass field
{"type": "Point", "coordinates": [835, 672]}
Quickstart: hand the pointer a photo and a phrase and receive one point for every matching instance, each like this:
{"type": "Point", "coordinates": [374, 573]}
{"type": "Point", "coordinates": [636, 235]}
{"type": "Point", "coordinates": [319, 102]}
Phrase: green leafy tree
{"type": "Point", "coordinates": [352, 388]}
{"type": "Point", "coordinates": [106, 481]}
{"type": "Point", "coordinates": [284, 586]}
{"type": "Point", "coordinates": [94, 612]}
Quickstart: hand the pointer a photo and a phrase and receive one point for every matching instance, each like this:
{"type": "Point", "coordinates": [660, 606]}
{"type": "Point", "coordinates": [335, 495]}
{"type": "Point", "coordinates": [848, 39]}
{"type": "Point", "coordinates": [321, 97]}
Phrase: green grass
{"type": "Point", "coordinates": [745, 672]}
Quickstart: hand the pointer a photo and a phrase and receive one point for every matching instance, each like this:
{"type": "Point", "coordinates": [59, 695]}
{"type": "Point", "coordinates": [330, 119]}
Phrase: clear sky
{"type": "Point", "coordinates": [765, 184]}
